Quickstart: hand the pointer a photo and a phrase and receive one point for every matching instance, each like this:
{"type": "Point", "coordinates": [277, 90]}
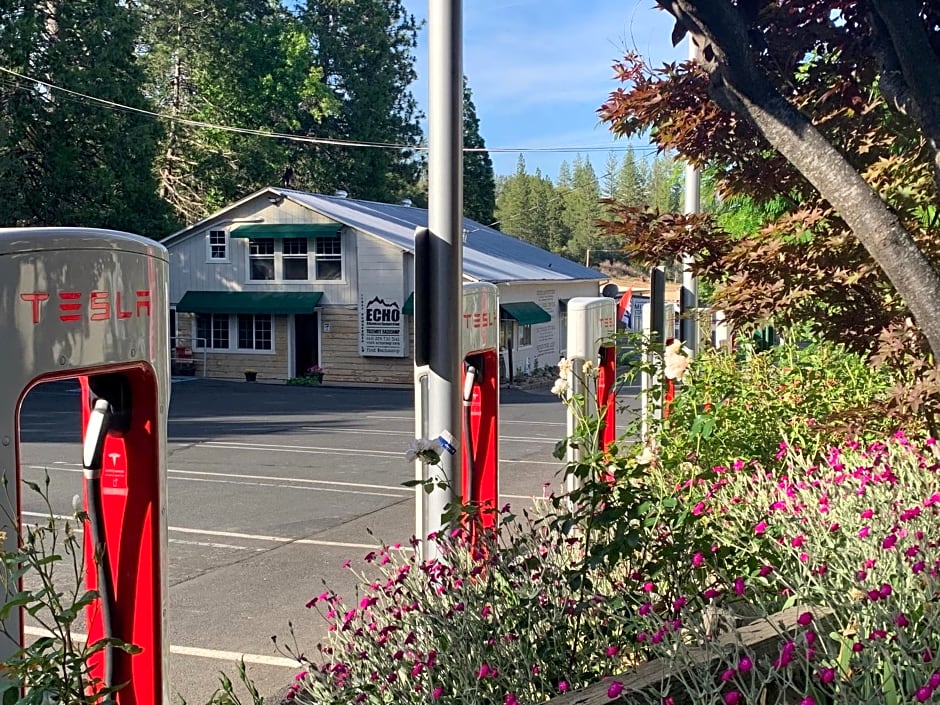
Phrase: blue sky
{"type": "Point", "coordinates": [539, 69]}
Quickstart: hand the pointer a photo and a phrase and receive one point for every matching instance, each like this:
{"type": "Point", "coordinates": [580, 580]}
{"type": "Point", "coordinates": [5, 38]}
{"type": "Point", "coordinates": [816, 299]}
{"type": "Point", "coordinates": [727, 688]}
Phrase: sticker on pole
{"type": "Point", "coordinates": [448, 442]}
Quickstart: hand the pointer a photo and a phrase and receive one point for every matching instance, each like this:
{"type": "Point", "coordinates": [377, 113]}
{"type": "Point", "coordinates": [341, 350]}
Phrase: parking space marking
{"type": "Point", "coordinates": [234, 656]}
{"type": "Point", "coordinates": [406, 434]}
{"type": "Point", "coordinates": [501, 421]}
{"type": "Point", "coordinates": [281, 540]}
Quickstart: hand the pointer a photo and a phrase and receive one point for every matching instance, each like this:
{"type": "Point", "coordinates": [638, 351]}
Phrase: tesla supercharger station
{"type": "Point", "coordinates": [478, 484]}
{"type": "Point", "coordinates": [92, 305]}
{"type": "Point", "coordinates": [592, 325]}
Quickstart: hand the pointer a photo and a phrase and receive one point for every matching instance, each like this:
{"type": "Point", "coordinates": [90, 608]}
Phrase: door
{"type": "Point", "coordinates": [306, 342]}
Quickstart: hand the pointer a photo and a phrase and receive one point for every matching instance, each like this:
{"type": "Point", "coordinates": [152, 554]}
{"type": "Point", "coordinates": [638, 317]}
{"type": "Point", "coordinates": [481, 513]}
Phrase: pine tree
{"type": "Point", "coordinates": [582, 208]}
{"type": "Point", "coordinates": [65, 160]}
{"type": "Point", "coordinates": [365, 52]}
{"type": "Point", "coordinates": [479, 181]}
{"type": "Point", "coordinates": [513, 200]}
{"type": "Point", "coordinates": [241, 63]}
{"type": "Point", "coordinates": [665, 185]}
{"type": "Point", "coordinates": [632, 181]}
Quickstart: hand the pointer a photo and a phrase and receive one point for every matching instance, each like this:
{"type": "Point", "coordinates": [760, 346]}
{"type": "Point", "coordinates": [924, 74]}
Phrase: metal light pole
{"type": "Point", "coordinates": [688, 295]}
{"type": "Point", "coordinates": [445, 223]}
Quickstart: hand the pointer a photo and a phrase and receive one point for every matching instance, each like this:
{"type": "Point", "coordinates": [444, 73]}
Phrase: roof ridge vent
{"type": "Point", "coordinates": [341, 194]}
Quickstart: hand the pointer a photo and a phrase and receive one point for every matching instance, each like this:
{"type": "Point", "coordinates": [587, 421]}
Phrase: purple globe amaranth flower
{"type": "Point", "coordinates": [808, 700]}
{"type": "Point", "coordinates": [934, 681]}
{"type": "Point", "coordinates": [510, 699]}
{"type": "Point", "coordinates": [923, 694]}
{"type": "Point", "coordinates": [827, 675]}
{"type": "Point", "coordinates": [437, 692]}
{"type": "Point", "coordinates": [885, 590]}
{"type": "Point", "coordinates": [697, 560]}
{"type": "Point", "coordinates": [858, 647]}
{"type": "Point", "coordinates": [889, 541]}
{"type": "Point", "coordinates": [727, 675]}
{"type": "Point", "coordinates": [760, 527]}
{"type": "Point", "coordinates": [805, 619]}
{"type": "Point", "coordinates": [902, 621]}
{"type": "Point", "coordinates": [611, 650]}
{"type": "Point", "coordinates": [927, 656]}
{"type": "Point", "coordinates": [863, 532]}
{"type": "Point", "coordinates": [745, 665]}
{"type": "Point", "coordinates": [563, 686]}
{"type": "Point", "coordinates": [614, 690]}
{"type": "Point", "coordinates": [733, 698]}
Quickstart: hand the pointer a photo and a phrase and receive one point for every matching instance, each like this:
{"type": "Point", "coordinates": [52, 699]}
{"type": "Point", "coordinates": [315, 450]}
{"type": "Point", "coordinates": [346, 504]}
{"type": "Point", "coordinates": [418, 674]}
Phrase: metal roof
{"type": "Point", "coordinates": [488, 254]}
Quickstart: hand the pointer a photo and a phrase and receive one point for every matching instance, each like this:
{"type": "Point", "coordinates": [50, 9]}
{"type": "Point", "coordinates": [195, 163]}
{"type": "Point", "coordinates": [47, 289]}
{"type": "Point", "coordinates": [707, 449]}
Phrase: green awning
{"type": "Point", "coordinates": [248, 301]}
{"type": "Point", "coordinates": [525, 313]}
{"type": "Point", "coordinates": [408, 309]}
{"type": "Point", "coordinates": [279, 231]}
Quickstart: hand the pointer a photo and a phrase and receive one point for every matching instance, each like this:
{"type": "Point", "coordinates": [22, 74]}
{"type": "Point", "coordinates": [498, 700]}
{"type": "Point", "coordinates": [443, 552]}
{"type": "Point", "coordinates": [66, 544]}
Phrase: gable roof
{"type": "Point", "coordinates": [488, 254]}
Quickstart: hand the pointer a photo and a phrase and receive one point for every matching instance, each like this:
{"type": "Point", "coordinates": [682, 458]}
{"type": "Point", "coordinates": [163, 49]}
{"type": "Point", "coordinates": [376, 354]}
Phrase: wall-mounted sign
{"type": "Point", "coordinates": [381, 326]}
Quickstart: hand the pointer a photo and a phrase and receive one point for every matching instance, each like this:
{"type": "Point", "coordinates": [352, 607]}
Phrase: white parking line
{"type": "Point", "coordinates": [238, 535]}
{"type": "Point", "coordinates": [501, 421]}
{"type": "Point", "coordinates": [234, 656]}
{"type": "Point", "coordinates": [406, 434]}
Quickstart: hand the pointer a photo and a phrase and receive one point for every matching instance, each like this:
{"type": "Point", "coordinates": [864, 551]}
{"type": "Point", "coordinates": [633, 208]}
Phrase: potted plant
{"type": "Point", "coordinates": [251, 375]}
{"type": "Point", "coordinates": [315, 372]}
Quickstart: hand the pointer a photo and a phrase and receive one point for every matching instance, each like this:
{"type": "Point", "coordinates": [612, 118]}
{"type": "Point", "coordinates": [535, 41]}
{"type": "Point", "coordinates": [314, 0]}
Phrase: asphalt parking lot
{"type": "Point", "coordinates": [270, 489]}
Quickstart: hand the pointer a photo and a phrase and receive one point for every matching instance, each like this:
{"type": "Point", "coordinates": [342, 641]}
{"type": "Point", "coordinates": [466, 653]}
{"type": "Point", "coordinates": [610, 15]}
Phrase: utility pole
{"type": "Point", "coordinates": [445, 223]}
{"type": "Point", "coordinates": [688, 293]}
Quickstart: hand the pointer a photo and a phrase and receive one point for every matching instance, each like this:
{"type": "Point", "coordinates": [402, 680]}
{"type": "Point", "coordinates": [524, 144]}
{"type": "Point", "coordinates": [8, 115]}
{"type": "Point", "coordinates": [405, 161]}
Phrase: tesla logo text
{"type": "Point", "coordinates": [114, 458]}
{"type": "Point", "coordinates": [100, 305]}
{"type": "Point", "coordinates": [478, 320]}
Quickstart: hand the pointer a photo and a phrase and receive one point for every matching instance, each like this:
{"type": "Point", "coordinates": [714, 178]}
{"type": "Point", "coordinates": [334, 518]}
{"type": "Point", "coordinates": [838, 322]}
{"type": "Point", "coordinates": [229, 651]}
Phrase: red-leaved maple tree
{"type": "Point", "coordinates": [830, 109]}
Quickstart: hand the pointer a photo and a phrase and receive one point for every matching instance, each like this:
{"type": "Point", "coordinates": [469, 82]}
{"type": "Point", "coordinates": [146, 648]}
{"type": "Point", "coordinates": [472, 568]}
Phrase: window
{"type": "Point", "coordinates": [295, 258]}
{"type": "Point", "coordinates": [525, 336]}
{"type": "Point", "coordinates": [213, 329]}
{"type": "Point", "coordinates": [329, 256]}
{"type": "Point", "coordinates": [254, 331]}
{"type": "Point", "coordinates": [261, 259]}
{"type": "Point", "coordinates": [218, 245]}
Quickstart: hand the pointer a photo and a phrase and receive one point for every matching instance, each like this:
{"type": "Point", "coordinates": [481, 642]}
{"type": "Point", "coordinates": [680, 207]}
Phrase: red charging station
{"type": "Point", "coordinates": [480, 349]}
{"type": "Point", "coordinates": [592, 326]}
{"type": "Point", "coordinates": [478, 484]}
{"type": "Point", "coordinates": [92, 305]}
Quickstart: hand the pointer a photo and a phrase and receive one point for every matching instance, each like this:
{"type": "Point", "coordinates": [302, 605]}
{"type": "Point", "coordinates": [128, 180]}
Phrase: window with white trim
{"type": "Point", "coordinates": [217, 244]}
{"type": "Point", "coordinates": [525, 336]}
{"type": "Point", "coordinates": [261, 259]}
{"type": "Point", "coordinates": [255, 331]}
{"type": "Point", "coordinates": [294, 263]}
{"type": "Point", "coordinates": [213, 329]}
{"type": "Point", "coordinates": [329, 257]}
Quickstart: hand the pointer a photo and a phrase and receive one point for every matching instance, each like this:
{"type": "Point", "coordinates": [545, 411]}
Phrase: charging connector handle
{"type": "Point", "coordinates": [99, 420]}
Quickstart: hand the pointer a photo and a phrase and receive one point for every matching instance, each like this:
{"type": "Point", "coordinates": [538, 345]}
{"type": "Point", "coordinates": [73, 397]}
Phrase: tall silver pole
{"type": "Point", "coordinates": [445, 222]}
{"type": "Point", "coordinates": [688, 295]}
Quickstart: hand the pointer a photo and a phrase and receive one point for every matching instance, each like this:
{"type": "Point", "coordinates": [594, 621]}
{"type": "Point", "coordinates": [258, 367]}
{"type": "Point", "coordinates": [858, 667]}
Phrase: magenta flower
{"type": "Point", "coordinates": [808, 700]}
{"type": "Point", "coordinates": [901, 620]}
{"type": "Point", "coordinates": [733, 698]}
{"type": "Point", "coordinates": [765, 570]}
{"type": "Point", "coordinates": [614, 690]}
{"type": "Point", "coordinates": [727, 675]}
{"type": "Point", "coordinates": [863, 532]}
{"type": "Point", "coordinates": [745, 665]}
{"type": "Point", "coordinates": [923, 694]}
{"type": "Point", "coordinates": [611, 651]}
{"type": "Point", "coordinates": [760, 527]}
{"type": "Point", "coordinates": [858, 647]}
{"type": "Point", "coordinates": [827, 675]}
{"type": "Point", "coordinates": [868, 514]}
{"type": "Point", "coordinates": [563, 686]}
{"type": "Point", "coordinates": [739, 587]}
{"type": "Point", "coordinates": [510, 699]}
{"type": "Point", "coordinates": [484, 671]}
{"type": "Point", "coordinates": [697, 560]}
{"type": "Point", "coordinates": [889, 541]}
{"type": "Point", "coordinates": [935, 680]}
{"type": "Point", "coordinates": [927, 656]}
{"type": "Point", "coordinates": [437, 692]}
{"type": "Point", "coordinates": [805, 619]}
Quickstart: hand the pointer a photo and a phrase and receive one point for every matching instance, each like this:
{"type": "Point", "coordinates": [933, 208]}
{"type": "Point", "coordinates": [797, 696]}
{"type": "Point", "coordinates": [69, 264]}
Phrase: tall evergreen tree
{"type": "Point", "coordinates": [513, 200]}
{"type": "Point", "coordinates": [665, 185]}
{"type": "Point", "coordinates": [582, 208]}
{"type": "Point", "coordinates": [241, 63]}
{"type": "Point", "coordinates": [632, 181]}
{"type": "Point", "coordinates": [365, 51]}
{"type": "Point", "coordinates": [65, 160]}
{"type": "Point", "coordinates": [479, 181]}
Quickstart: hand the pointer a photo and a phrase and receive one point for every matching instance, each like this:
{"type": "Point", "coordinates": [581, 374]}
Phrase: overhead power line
{"type": "Point", "coordinates": [269, 134]}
